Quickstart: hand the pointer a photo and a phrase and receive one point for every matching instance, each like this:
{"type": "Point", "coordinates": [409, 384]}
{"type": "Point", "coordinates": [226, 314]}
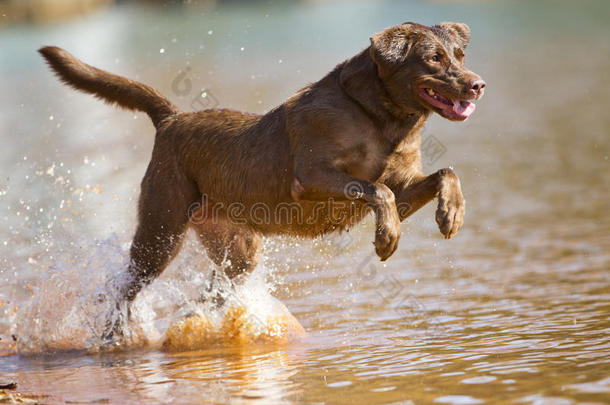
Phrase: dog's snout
{"type": "Point", "coordinates": [476, 86]}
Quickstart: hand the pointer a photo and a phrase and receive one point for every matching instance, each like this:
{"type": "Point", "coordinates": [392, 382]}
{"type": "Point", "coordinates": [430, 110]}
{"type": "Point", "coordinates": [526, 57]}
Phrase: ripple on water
{"type": "Point", "coordinates": [479, 380]}
{"type": "Point", "coordinates": [458, 400]}
{"type": "Point", "coordinates": [593, 387]}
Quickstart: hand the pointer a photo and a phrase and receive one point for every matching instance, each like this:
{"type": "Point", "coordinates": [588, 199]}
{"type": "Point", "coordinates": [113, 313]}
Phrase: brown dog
{"type": "Point", "coordinates": [338, 149]}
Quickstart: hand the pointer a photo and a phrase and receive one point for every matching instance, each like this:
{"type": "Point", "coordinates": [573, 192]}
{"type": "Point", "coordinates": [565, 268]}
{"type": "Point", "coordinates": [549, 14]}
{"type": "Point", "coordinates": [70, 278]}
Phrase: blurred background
{"type": "Point", "coordinates": [514, 308]}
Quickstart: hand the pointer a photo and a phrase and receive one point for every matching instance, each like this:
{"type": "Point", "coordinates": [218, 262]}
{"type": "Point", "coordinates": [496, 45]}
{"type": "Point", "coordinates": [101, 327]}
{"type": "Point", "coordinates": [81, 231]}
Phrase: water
{"type": "Point", "coordinates": [515, 308]}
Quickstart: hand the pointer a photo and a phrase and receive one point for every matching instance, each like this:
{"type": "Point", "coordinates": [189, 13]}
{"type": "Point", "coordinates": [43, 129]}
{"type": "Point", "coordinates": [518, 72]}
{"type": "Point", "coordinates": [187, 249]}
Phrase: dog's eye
{"type": "Point", "coordinates": [435, 58]}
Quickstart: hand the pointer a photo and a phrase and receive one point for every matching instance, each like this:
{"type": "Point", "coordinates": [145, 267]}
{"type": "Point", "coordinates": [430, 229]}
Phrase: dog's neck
{"type": "Point", "coordinates": [359, 79]}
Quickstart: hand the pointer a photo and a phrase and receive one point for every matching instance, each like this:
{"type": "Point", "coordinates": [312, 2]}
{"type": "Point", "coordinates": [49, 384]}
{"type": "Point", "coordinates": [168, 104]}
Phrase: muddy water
{"type": "Point", "coordinates": [513, 309]}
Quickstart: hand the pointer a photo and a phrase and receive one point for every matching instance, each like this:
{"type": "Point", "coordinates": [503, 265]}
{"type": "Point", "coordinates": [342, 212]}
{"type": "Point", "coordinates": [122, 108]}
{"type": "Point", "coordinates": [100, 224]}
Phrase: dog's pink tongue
{"type": "Point", "coordinates": [463, 108]}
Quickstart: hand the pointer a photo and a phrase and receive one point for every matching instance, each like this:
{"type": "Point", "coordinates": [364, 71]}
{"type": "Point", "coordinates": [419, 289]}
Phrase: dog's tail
{"type": "Point", "coordinates": [109, 87]}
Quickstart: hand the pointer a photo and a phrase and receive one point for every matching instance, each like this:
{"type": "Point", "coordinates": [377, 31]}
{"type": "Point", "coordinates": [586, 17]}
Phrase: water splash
{"type": "Point", "coordinates": [76, 300]}
{"type": "Point", "coordinates": [71, 302]}
{"type": "Point", "coordinates": [248, 315]}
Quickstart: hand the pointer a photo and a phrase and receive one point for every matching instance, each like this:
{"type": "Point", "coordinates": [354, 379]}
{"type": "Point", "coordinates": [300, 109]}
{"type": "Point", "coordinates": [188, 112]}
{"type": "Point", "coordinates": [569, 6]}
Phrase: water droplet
{"type": "Point", "coordinates": [210, 32]}
{"type": "Point", "coordinates": [162, 50]}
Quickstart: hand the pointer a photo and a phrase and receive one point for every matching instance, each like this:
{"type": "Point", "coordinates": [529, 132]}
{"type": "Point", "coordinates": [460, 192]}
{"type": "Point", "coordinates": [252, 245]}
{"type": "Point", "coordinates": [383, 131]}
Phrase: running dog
{"type": "Point", "coordinates": [338, 149]}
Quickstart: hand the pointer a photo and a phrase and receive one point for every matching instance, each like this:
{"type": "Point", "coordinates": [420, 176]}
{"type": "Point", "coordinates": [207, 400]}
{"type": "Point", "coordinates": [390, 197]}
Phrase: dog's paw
{"type": "Point", "coordinates": [387, 235]}
{"type": "Point", "coordinates": [115, 326]}
{"type": "Point", "coordinates": [451, 208]}
{"type": "Point", "coordinates": [386, 242]}
{"type": "Point", "coordinates": [387, 229]}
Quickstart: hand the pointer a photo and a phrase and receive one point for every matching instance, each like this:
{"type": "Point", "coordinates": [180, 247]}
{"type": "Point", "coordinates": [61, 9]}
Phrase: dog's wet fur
{"type": "Point", "coordinates": [349, 142]}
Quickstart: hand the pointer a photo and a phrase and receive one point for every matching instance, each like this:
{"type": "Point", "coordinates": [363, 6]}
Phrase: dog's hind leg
{"type": "Point", "coordinates": [235, 247]}
{"type": "Point", "coordinates": [163, 215]}
{"type": "Point", "coordinates": [166, 197]}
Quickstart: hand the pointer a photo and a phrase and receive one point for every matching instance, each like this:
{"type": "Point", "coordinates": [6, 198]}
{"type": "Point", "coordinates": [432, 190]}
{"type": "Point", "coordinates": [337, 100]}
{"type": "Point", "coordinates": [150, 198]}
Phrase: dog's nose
{"type": "Point", "coordinates": [476, 86]}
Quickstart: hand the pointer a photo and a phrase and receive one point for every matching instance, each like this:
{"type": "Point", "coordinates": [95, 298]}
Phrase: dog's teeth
{"type": "Point", "coordinates": [430, 92]}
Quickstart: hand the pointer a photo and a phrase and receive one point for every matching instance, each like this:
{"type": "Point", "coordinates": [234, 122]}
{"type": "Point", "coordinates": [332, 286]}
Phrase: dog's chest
{"type": "Point", "coordinates": [365, 158]}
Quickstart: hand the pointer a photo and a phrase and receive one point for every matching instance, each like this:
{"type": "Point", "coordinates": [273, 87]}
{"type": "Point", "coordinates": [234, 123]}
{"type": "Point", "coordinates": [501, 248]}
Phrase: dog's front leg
{"type": "Point", "coordinates": [451, 204]}
{"type": "Point", "coordinates": [330, 184]}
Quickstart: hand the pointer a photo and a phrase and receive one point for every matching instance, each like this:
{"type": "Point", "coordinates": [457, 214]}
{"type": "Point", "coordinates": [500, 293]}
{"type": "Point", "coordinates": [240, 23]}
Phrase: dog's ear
{"type": "Point", "coordinates": [459, 31]}
{"type": "Point", "coordinates": [390, 47]}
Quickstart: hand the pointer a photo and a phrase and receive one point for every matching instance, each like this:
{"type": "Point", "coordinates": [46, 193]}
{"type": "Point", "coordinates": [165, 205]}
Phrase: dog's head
{"type": "Point", "coordinates": [423, 67]}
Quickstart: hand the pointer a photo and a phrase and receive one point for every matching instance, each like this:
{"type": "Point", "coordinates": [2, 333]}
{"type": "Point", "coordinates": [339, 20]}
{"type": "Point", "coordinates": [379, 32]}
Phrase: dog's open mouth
{"type": "Point", "coordinates": [456, 110]}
